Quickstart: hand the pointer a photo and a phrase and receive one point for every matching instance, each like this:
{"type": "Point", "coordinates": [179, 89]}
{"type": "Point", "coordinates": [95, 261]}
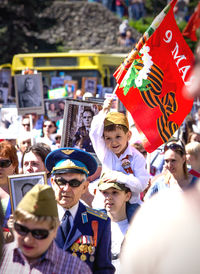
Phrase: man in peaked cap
{"type": "Point", "coordinates": [35, 226]}
{"type": "Point", "coordinates": [84, 232]}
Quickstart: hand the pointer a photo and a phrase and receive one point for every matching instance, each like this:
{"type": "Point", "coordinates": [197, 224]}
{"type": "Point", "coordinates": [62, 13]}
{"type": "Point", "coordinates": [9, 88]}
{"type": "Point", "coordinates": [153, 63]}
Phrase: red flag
{"type": "Point", "coordinates": [151, 89]}
{"type": "Point", "coordinates": [193, 24]}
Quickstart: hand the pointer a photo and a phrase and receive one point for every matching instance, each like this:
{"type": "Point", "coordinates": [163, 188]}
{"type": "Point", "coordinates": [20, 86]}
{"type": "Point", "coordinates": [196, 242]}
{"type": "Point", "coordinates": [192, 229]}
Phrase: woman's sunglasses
{"type": "Point", "coordinates": [175, 147]}
{"type": "Point", "coordinates": [73, 183]}
{"type": "Point", "coordinates": [5, 163]}
{"type": "Point", "coordinates": [49, 126]}
{"type": "Point", "coordinates": [38, 234]}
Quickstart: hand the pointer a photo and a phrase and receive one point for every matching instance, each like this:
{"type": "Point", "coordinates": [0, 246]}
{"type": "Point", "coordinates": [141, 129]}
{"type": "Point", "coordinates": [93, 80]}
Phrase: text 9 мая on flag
{"type": "Point", "coordinates": [152, 77]}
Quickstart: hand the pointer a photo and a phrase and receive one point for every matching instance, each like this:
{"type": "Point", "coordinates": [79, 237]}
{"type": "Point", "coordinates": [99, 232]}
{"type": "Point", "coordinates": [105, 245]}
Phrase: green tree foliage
{"type": "Point", "coordinates": [20, 24]}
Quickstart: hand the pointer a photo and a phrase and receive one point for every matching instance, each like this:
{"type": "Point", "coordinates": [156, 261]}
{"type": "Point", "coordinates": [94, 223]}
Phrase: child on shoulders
{"type": "Point", "coordinates": [110, 137]}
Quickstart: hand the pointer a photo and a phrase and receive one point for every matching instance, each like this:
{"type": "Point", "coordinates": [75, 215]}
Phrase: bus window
{"type": "Point", "coordinates": [55, 62]}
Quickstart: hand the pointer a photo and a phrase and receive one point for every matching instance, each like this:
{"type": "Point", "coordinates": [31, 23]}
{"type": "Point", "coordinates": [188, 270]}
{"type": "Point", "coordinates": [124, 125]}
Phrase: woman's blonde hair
{"type": "Point", "coordinates": [23, 216]}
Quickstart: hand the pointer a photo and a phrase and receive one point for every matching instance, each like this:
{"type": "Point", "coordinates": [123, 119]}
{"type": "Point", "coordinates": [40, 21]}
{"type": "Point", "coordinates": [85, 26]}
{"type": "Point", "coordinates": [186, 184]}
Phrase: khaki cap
{"type": "Point", "coordinates": [104, 186]}
{"type": "Point", "coordinates": [116, 118]}
{"type": "Point", "coordinates": [39, 201]}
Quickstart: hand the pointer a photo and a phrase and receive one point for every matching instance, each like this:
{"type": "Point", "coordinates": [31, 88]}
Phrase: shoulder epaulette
{"type": "Point", "coordinates": [97, 213]}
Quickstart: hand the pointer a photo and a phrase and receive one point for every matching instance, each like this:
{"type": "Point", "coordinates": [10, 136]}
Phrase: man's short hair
{"type": "Point", "coordinates": [89, 110]}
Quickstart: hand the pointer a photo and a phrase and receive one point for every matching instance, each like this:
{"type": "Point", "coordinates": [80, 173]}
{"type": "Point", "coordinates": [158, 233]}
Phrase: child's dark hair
{"type": "Point", "coordinates": [114, 127]}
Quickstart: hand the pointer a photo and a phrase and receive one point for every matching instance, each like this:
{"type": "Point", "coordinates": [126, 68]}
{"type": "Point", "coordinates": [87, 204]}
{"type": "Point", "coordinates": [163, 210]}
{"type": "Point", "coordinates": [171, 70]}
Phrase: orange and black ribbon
{"type": "Point", "coordinates": [95, 225]}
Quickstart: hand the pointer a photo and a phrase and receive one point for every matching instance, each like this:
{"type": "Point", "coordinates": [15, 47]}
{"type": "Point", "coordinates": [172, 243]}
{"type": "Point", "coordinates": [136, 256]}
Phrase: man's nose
{"type": "Point", "coordinates": [66, 187]}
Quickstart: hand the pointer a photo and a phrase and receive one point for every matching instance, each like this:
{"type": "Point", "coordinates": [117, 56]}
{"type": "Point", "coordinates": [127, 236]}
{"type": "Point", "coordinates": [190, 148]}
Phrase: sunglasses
{"type": "Point", "coordinates": [5, 163]}
{"type": "Point", "coordinates": [50, 126]}
{"type": "Point", "coordinates": [58, 138]}
{"type": "Point", "coordinates": [73, 183]}
{"type": "Point", "coordinates": [39, 234]}
{"type": "Point", "coordinates": [175, 147]}
{"type": "Point", "coordinates": [26, 125]}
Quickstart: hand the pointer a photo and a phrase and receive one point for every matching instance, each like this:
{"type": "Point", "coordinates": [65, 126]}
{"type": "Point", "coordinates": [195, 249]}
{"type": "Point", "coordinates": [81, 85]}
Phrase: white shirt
{"type": "Point", "coordinates": [118, 231]}
{"type": "Point", "coordinates": [73, 210]}
{"type": "Point", "coordinates": [137, 181]}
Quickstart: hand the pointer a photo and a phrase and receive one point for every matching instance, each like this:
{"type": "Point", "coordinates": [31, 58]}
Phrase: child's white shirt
{"type": "Point", "coordinates": [137, 181]}
{"type": "Point", "coordinates": [118, 231]}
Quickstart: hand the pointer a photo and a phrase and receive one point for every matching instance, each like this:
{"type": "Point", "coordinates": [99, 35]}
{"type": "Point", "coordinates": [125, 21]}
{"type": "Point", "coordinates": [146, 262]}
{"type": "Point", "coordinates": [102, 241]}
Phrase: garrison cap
{"type": "Point", "coordinates": [39, 201]}
{"type": "Point", "coordinates": [64, 160]}
{"type": "Point", "coordinates": [116, 118]}
{"type": "Point", "coordinates": [105, 185]}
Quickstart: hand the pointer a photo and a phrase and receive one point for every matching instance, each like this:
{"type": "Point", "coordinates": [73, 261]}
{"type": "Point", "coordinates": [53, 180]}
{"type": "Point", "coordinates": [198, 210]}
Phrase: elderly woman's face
{"type": "Point", "coordinates": [6, 169]}
{"type": "Point", "coordinates": [174, 162]}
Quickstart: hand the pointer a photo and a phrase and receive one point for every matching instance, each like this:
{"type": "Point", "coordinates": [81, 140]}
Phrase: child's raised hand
{"type": "Point", "coordinates": [110, 177]}
{"type": "Point", "coordinates": [107, 104]}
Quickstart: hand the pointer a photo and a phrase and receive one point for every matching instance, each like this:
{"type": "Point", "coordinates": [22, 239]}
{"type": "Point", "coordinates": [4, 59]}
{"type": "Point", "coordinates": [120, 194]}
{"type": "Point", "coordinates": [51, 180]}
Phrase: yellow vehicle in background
{"type": "Point", "coordinates": [73, 63]}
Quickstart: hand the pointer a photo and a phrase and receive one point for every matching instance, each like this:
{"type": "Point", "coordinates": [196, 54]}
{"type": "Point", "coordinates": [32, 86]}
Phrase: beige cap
{"type": "Point", "coordinates": [116, 118]}
{"type": "Point", "coordinates": [104, 185]}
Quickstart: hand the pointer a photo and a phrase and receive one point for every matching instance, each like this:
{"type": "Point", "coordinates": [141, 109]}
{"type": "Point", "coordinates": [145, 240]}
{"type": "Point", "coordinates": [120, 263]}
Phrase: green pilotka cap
{"type": "Point", "coordinates": [39, 201]}
{"type": "Point", "coordinates": [116, 118]}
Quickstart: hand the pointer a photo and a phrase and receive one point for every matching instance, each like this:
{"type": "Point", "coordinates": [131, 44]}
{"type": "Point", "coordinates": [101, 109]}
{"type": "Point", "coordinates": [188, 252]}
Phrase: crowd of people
{"type": "Point", "coordinates": [101, 217]}
{"type": "Point", "coordinates": [136, 9]}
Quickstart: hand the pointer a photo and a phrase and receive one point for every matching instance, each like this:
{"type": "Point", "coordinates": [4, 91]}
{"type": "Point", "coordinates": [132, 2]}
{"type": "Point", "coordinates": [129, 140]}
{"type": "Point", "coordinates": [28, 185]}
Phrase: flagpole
{"type": "Point", "coordinates": [115, 89]}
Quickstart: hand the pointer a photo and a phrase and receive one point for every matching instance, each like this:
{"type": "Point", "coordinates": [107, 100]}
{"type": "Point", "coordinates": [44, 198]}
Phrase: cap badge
{"type": "Point", "coordinates": [68, 151]}
{"type": "Point", "coordinates": [68, 163]}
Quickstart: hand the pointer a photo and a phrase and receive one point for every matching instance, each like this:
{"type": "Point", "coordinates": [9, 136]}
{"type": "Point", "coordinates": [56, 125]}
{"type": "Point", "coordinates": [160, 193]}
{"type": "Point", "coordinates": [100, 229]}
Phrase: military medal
{"type": "Point", "coordinates": [82, 248]}
{"type": "Point", "coordinates": [91, 249]}
{"type": "Point", "coordinates": [83, 257]}
{"type": "Point", "coordinates": [91, 258]}
{"type": "Point", "coordinates": [74, 248]}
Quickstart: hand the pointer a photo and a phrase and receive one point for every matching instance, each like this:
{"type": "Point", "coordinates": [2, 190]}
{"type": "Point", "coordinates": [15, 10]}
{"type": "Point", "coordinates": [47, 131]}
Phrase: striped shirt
{"type": "Point", "coordinates": [55, 260]}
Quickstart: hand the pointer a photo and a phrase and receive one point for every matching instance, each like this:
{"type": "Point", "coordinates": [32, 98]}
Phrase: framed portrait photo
{"type": "Point", "coordinates": [78, 116]}
{"type": "Point", "coordinates": [71, 87]}
{"type": "Point", "coordinates": [89, 84]}
{"type": "Point", "coordinates": [19, 185]}
{"type": "Point", "coordinates": [54, 108]}
{"type": "Point", "coordinates": [29, 93]}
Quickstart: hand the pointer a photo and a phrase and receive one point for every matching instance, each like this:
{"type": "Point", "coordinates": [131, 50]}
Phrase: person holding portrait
{"type": "Point", "coordinates": [29, 97]}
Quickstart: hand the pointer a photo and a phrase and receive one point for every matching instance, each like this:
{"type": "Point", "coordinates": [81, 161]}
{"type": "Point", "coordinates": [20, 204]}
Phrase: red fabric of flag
{"type": "Point", "coordinates": [151, 90]}
{"type": "Point", "coordinates": [193, 24]}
